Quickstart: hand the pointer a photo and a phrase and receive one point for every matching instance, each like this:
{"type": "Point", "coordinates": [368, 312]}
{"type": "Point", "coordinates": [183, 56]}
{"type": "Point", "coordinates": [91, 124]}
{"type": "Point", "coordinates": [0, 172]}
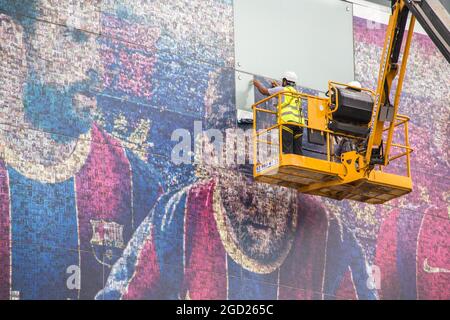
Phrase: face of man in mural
{"type": "Point", "coordinates": [57, 56]}
{"type": "Point", "coordinates": [63, 67]}
{"type": "Point", "coordinates": [261, 219]}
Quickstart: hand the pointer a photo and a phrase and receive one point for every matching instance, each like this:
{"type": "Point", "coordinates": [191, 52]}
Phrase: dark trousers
{"type": "Point", "coordinates": [292, 141]}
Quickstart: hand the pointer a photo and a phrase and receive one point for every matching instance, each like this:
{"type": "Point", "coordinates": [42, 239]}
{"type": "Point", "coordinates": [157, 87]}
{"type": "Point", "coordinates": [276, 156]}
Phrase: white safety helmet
{"type": "Point", "coordinates": [355, 84]}
{"type": "Point", "coordinates": [290, 76]}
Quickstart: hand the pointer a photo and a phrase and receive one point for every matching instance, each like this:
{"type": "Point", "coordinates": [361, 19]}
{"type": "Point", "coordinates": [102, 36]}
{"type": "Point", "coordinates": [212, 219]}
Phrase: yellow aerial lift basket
{"type": "Point", "coordinates": [363, 120]}
{"type": "Point", "coordinates": [344, 176]}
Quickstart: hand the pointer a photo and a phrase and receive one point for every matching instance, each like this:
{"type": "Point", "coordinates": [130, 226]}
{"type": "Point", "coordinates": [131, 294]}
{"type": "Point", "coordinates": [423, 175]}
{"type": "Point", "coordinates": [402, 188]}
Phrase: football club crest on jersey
{"type": "Point", "coordinates": [107, 234]}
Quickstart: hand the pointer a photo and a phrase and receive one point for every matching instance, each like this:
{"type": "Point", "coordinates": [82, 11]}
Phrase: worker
{"type": "Point", "coordinates": [354, 85]}
{"type": "Point", "coordinates": [291, 113]}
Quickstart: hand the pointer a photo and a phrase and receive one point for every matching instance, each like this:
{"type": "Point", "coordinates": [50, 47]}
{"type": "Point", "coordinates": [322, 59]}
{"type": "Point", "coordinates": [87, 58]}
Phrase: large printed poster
{"type": "Point", "coordinates": [92, 205]}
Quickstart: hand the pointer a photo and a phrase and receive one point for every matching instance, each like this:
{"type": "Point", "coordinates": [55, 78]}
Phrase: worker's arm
{"type": "Point", "coordinates": [261, 88]}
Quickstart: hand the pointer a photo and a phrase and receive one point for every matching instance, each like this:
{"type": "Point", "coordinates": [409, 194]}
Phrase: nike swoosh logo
{"type": "Point", "coordinates": [429, 269]}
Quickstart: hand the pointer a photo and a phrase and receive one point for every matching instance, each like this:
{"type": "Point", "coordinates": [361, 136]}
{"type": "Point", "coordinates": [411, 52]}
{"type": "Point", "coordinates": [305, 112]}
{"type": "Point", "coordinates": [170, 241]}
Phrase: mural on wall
{"type": "Point", "coordinates": [91, 205]}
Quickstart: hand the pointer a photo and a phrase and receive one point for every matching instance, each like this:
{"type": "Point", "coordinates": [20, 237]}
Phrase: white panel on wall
{"type": "Point", "coordinates": [314, 38]}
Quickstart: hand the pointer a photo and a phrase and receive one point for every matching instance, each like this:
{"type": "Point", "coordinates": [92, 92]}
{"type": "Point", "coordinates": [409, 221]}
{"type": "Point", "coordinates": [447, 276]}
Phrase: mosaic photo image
{"type": "Point", "coordinates": [93, 96]}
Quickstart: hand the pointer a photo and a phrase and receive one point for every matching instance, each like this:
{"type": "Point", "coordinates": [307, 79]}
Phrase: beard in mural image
{"type": "Point", "coordinates": [68, 203]}
{"type": "Point", "coordinates": [260, 219]}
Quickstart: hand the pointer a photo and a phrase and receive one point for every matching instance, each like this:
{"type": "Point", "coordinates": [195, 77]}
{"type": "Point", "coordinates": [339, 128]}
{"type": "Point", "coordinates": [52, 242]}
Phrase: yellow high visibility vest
{"type": "Point", "coordinates": [291, 108]}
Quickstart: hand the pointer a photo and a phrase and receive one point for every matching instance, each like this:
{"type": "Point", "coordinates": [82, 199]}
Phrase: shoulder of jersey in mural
{"type": "Point", "coordinates": [81, 218]}
{"type": "Point", "coordinates": [412, 243]}
{"type": "Point", "coordinates": [412, 254]}
{"type": "Point", "coordinates": [190, 247]}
